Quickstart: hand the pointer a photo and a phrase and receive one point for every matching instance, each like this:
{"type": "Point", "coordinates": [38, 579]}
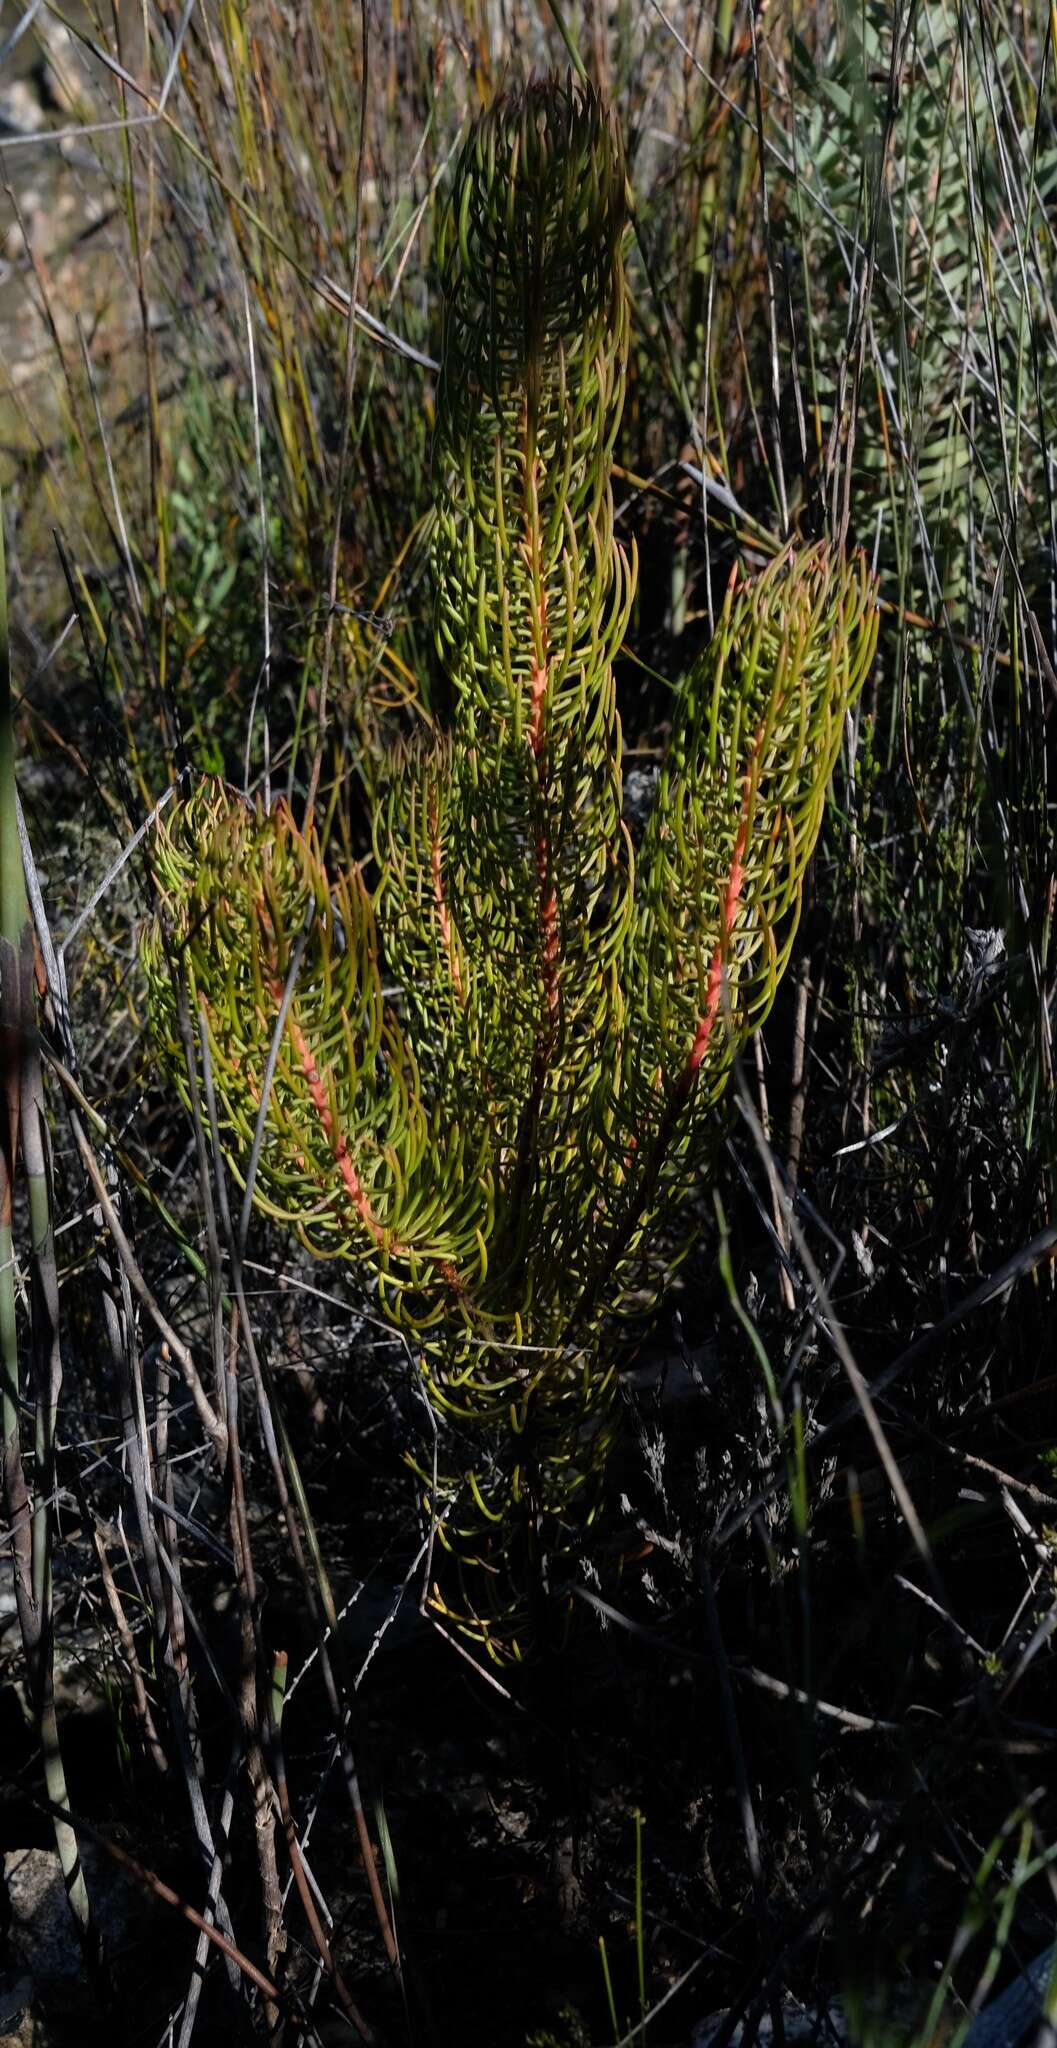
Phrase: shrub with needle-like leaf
{"type": "Point", "coordinates": [499, 1144]}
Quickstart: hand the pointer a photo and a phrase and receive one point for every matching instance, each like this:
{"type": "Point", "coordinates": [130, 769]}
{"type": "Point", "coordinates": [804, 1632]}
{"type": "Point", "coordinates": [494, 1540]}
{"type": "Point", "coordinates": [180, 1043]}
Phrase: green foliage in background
{"type": "Point", "coordinates": [920, 175]}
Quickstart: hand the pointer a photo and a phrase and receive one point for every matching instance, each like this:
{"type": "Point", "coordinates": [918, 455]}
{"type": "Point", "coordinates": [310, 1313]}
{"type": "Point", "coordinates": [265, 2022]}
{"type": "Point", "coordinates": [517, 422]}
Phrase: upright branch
{"type": "Point", "coordinates": [25, 1159]}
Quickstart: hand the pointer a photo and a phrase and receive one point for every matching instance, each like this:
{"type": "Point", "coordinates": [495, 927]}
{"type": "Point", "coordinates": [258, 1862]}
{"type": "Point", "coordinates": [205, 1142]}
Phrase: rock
{"type": "Point", "coordinates": [640, 790]}
{"type": "Point", "coordinates": [1016, 2014]}
{"type": "Point", "coordinates": [820, 2029]}
{"type": "Point", "coordinates": [45, 1998]}
{"type": "Point", "coordinates": [16, 2020]}
{"type": "Point", "coordinates": [57, 75]}
{"type": "Point", "coordinates": [8, 1607]}
{"type": "Point", "coordinates": [20, 110]}
{"type": "Point", "coordinates": [41, 1930]}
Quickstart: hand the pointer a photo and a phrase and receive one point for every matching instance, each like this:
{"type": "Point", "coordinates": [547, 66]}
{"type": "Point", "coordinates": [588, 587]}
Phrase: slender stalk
{"type": "Point", "coordinates": [24, 1141]}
